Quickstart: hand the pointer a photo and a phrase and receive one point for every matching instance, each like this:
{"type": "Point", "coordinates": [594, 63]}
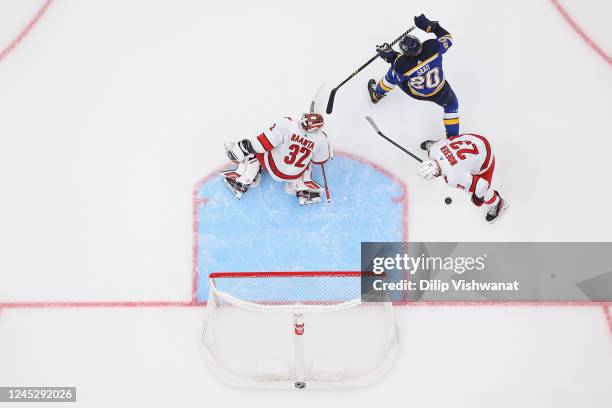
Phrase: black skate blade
{"type": "Point", "coordinates": [237, 193]}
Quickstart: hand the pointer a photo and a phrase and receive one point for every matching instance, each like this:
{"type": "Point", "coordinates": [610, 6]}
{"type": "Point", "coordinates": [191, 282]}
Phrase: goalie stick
{"type": "Point", "coordinates": [332, 95]}
{"type": "Point", "coordinates": [371, 121]}
{"type": "Point", "coordinates": [325, 184]}
{"type": "Point", "coordinates": [312, 110]}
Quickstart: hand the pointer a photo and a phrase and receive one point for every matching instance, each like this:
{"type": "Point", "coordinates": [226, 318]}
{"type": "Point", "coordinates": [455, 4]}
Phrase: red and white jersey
{"type": "Point", "coordinates": [461, 157]}
{"type": "Point", "coordinates": [288, 149]}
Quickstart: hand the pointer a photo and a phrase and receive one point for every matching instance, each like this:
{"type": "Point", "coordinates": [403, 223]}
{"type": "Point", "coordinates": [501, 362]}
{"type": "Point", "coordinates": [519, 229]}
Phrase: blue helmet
{"type": "Point", "coordinates": [410, 45]}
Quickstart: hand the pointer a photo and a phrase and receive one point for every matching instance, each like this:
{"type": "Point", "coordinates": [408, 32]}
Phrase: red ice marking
{"type": "Point", "coordinates": [581, 33]}
{"type": "Point", "coordinates": [152, 303]}
{"type": "Point", "coordinates": [606, 310]}
{"type": "Point", "coordinates": [26, 30]}
{"type": "Point", "coordinates": [276, 274]}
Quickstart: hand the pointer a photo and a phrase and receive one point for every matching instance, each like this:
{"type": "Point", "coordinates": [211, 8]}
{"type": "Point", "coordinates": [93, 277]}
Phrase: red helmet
{"type": "Point", "coordinates": [311, 122]}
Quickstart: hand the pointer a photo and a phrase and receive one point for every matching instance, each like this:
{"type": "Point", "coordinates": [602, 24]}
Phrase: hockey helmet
{"type": "Point", "coordinates": [311, 122]}
{"type": "Point", "coordinates": [410, 45]}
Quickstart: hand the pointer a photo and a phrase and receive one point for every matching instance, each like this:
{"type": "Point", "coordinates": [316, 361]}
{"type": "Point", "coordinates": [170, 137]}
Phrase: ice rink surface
{"type": "Point", "coordinates": [112, 112]}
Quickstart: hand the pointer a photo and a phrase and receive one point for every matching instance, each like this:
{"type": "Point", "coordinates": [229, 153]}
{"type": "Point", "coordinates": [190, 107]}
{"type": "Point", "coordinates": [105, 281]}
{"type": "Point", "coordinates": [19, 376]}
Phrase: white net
{"type": "Point", "coordinates": [296, 329]}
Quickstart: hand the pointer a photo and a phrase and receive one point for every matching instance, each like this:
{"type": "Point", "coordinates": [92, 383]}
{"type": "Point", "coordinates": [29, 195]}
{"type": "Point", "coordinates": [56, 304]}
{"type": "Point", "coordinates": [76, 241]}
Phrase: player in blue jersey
{"type": "Point", "coordinates": [417, 70]}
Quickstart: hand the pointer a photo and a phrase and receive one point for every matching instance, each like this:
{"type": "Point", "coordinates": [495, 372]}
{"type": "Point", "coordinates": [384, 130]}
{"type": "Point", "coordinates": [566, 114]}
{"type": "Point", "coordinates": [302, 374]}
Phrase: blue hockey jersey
{"type": "Point", "coordinates": [422, 76]}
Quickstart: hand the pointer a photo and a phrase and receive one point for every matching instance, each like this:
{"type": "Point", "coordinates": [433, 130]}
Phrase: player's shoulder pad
{"type": "Point", "coordinates": [430, 47]}
{"type": "Point", "coordinates": [404, 64]}
{"type": "Point", "coordinates": [286, 121]}
{"type": "Point", "coordinates": [280, 124]}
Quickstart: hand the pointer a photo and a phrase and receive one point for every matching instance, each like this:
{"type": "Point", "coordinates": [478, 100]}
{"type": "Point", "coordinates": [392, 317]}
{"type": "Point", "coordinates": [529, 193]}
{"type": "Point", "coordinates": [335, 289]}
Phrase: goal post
{"type": "Point", "coordinates": [296, 330]}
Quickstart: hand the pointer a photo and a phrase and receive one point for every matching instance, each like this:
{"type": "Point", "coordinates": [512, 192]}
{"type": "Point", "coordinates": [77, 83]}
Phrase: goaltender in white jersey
{"type": "Point", "coordinates": [286, 150]}
{"type": "Point", "coordinates": [466, 162]}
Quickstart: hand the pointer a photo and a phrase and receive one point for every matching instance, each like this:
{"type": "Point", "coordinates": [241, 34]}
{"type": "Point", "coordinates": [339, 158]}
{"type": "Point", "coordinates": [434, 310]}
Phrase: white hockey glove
{"type": "Point", "coordinates": [428, 170]}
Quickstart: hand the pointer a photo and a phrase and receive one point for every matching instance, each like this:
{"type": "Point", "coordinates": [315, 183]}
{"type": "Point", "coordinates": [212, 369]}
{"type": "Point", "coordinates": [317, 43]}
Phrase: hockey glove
{"type": "Point", "coordinates": [385, 52]}
{"type": "Point", "coordinates": [425, 24]}
{"type": "Point", "coordinates": [428, 170]}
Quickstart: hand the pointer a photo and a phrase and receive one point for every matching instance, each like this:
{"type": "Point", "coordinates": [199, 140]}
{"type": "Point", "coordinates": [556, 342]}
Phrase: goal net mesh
{"type": "Point", "coordinates": [296, 329]}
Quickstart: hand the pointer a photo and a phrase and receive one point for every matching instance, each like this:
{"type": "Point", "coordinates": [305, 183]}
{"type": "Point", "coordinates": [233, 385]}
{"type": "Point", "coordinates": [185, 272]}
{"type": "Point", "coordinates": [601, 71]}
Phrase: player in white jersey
{"type": "Point", "coordinates": [286, 150]}
{"type": "Point", "coordinates": [466, 162]}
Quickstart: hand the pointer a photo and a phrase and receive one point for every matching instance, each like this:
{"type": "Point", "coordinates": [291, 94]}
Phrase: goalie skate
{"type": "Point", "coordinates": [307, 197]}
{"type": "Point", "coordinates": [229, 178]}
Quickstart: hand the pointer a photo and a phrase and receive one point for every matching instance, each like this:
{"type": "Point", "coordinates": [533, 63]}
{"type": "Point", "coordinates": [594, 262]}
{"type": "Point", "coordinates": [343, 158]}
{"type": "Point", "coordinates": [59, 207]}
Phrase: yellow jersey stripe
{"type": "Point", "coordinates": [427, 61]}
{"type": "Point", "coordinates": [451, 121]}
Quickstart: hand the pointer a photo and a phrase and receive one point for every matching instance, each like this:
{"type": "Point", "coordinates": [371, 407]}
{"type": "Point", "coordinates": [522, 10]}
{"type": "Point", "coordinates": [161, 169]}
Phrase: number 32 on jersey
{"type": "Point", "coordinates": [297, 155]}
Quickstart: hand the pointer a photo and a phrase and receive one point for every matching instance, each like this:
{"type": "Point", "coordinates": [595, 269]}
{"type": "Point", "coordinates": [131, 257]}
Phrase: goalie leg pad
{"type": "Point", "coordinates": [305, 182]}
{"type": "Point", "coordinates": [305, 188]}
{"type": "Point", "coordinates": [247, 174]}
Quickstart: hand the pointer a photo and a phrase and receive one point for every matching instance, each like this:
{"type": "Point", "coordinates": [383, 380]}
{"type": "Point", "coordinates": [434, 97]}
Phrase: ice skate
{"type": "Point", "coordinates": [374, 95]}
{"type": "Point", "coordinates": [497, 210]}
{"type": "Point", "coordinates": [307, 197]}
{"type": "Point", "coordinates": [235, 186]}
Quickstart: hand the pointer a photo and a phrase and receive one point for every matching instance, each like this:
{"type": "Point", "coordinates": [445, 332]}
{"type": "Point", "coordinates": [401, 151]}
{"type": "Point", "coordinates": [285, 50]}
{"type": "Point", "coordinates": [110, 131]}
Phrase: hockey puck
{"type": "Point", "coordinates": [300, 385]}
{"type": "Point", "coordinates": [448, 200]}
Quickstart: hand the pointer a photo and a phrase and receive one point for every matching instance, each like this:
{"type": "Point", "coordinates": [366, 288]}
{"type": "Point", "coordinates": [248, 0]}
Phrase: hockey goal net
{"type": "Point", "coordinates": [296, 329]}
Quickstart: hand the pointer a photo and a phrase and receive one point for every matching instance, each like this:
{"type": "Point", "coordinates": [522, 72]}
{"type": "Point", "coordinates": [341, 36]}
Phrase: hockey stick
{"type": "Point", "coordinates": [371, 121]}
{"type": "Point", "coordinates": [332, 95]}
{"type": "Point", "coordinates": [325, 183]}
{"type": "Point", "coordinates": [312, 109]}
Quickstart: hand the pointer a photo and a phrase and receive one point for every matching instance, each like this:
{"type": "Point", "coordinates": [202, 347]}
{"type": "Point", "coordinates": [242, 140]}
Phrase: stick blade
{"type": "Point", "coordinates": [371, 121]}
{"type": "Point", "coordinates": [330, 102]}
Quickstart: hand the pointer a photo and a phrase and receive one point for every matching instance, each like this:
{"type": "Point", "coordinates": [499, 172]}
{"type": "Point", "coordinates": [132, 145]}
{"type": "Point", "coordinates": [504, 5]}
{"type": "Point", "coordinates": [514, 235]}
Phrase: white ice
{"type": "Point", "coordinates": [112, 111]}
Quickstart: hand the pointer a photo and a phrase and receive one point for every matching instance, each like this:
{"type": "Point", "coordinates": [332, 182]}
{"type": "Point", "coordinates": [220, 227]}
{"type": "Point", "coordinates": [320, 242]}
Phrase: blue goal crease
{"type": "Point", "coordinates": [268, 231]}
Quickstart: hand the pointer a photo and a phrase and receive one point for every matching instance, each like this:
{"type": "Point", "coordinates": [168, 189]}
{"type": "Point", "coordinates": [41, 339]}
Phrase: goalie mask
{"type": "Point", "coordinates": [311, 122]}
